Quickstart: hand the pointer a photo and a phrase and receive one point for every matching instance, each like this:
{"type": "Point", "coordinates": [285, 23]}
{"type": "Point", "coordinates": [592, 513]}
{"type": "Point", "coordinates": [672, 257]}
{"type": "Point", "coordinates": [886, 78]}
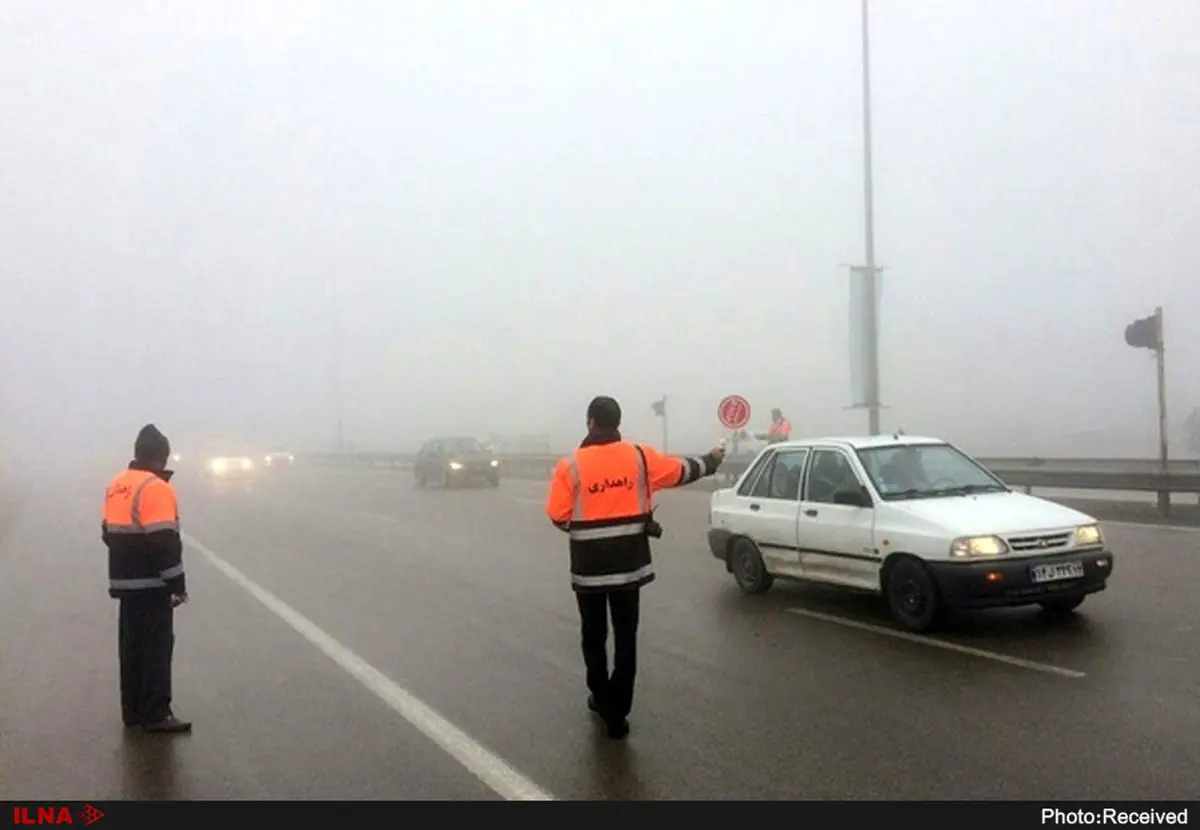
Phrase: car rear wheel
{"type": "Point", "coordinates": [748, 569]}
{"type": "Point", "coordinates": [493, 481]}
{"type": "Point", "coordinates": [912, 596]}
{"type": "Point", "coordinates": [1060, 606]}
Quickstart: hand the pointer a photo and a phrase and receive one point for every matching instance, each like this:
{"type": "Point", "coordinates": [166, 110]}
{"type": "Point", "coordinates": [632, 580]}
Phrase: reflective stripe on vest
{"type": "Point", "coordinates": [613, 580]}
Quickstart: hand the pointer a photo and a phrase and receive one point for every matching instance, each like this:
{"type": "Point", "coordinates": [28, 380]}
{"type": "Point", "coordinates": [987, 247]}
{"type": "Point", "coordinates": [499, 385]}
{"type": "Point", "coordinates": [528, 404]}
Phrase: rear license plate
{"type": "Point", "coordinates": [1056, 572]}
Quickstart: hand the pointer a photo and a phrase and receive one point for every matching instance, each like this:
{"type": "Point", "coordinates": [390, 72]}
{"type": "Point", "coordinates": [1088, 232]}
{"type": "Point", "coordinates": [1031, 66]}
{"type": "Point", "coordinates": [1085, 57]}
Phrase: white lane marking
{"type": "Point", "coordinates": [943, 644]}
{"type": "Point", "coordinates": [485, 765]}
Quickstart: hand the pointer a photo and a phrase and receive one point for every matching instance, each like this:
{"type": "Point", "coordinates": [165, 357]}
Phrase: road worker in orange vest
{"type": "Point", "coordinates": [602, 496]}
{"type": "Point", "coordinates": [145, 572]}
{"type": "Point", "coordinates": [780, 429]}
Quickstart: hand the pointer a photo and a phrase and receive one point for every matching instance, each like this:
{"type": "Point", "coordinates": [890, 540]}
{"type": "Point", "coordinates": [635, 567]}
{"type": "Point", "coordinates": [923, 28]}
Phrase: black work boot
{"type": "Point", "coordinates": [169, 725]}
{"type": "Point", "coordinates": [593, 707]}
{"type": "Point", "coordinates": [617, 728]}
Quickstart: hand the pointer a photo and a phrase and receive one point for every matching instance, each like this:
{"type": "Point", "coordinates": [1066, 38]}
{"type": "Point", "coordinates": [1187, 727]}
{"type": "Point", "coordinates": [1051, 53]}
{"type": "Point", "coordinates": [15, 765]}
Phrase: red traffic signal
{"type": "Point", "coordinates": [1143, 333]}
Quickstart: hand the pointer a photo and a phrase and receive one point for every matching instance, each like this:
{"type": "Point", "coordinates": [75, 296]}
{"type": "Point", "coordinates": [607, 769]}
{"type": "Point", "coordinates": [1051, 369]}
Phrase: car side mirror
{"type": "Point", "coordinates": [852, 498]}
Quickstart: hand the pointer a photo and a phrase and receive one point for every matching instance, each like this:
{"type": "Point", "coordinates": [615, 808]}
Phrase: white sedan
{"type": "Point", "coordinates": [915, 520]}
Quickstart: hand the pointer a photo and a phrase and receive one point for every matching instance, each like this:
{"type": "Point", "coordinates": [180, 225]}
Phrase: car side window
{"type": "Point", "coordinates": [762, 486]}
{"type": "Point", "coordinates": [829, 473]}
{"type": "Point", "coordinates": [787, 474]}
{"type": "Point", "coordinates": [750, 483]}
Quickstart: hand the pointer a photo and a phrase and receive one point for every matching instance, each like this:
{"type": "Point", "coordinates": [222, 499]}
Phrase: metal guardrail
{"type": "Point", "coordinates": [1112, 474]}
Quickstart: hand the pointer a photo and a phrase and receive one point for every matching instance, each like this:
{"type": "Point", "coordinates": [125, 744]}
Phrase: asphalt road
{"type": "Point", "coordinates": [351, 636]}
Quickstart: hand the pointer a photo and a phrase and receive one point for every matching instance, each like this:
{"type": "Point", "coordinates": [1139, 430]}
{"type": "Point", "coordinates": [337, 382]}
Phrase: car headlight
{"type": "Point", "coordinates": [495, 463]}
{"type": "Point", "coordinates": [1088, 536]}
{"type": "Point", "coordinates": [454, 465]}
{"type": "Point", "coordinates": [247, 463]}
{"type": "Point", "coordinates": [969, 546]}
{"type": "Point", "coordinates": [217, 465]}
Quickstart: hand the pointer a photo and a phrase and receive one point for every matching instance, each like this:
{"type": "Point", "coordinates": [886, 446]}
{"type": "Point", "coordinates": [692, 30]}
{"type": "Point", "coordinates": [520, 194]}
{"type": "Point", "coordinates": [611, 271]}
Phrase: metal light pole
{"type": "Point", "coordinates": [335, 310]}
{"type": "Point", "coordinates": [664, 421]}
{"type": "Point", "coordinates": [1160, 365]}
{"type": "Point", "coordinates": [871, 358]}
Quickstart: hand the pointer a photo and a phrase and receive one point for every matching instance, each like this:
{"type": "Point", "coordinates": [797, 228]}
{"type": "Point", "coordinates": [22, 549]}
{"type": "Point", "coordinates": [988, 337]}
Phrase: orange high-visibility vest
{"type": "Point", "coordinates": [602, 495]}
{"type": "Point", "coordinates": [141, 528]}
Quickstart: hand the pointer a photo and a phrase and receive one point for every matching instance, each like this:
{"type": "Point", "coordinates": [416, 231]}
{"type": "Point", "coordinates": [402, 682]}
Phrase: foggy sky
{"type": "Point", "coordinates": [486, 213]}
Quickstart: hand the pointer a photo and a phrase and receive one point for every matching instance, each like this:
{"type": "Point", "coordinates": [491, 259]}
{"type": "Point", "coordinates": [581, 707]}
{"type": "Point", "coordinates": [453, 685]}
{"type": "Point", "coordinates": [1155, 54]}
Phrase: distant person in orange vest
{"type": "Point", "coordinates": [780, 429]}
{"type": "Point", "coordinates": [602, 496]}
{"type": "Point", "coordinates": [145, 572]}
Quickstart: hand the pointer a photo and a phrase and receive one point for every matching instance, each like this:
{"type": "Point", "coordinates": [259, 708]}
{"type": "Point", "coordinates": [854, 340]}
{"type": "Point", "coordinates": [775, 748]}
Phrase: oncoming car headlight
{"type": "Point", "coordinates": [1088, 536]}
{"type": "Point", "coordinates": [218, 465]}
{"type": "Point", "coordinates": [454, 465]}
{"type": "Point", "coordinates": [970, 546]}
{"type": "Point", "coordinates": [495, 463]}
{"type": "Point", "coordinates": [246, 464]}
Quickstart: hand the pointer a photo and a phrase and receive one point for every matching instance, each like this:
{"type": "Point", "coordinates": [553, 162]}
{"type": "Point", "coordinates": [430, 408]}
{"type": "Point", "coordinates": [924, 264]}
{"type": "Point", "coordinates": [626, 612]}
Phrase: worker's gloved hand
{"type": "Point", "coordinates": [718, 452]}
{"type": "Point", "coordinates": [178, 600]}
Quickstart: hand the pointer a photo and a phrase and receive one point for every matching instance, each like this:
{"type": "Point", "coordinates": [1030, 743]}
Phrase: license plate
{"type": "Point", "coordinates": [1057, 571]}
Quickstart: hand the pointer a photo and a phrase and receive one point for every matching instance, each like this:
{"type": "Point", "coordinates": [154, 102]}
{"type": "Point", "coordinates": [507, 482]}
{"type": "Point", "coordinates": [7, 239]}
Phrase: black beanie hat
{"type": "Point", "coordinates": [151, 445]}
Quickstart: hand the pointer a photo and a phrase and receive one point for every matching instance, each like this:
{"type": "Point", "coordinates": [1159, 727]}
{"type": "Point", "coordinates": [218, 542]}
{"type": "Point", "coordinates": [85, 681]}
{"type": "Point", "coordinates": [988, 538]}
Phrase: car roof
{"type": "Point", "coordinates": [865, 442]}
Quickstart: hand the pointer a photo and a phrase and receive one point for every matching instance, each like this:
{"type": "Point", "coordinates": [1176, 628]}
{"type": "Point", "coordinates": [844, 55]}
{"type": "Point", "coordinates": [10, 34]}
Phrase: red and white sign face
{"type": "Point", "coordinates": [734, 412]}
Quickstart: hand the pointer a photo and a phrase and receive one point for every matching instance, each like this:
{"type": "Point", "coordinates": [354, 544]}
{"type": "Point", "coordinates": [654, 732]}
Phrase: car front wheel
{"type": "Point", "coordinates": [748, 569]}
{"type": "Point", "coordinates": [912, 596]}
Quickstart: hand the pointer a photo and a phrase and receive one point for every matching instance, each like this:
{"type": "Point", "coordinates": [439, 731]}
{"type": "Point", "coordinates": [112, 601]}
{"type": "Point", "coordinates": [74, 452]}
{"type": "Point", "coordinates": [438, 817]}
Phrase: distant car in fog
{"type": "Point", "coordinates": [451, 462]}
{"type": "Point", "coordinates": [279, 459]}
{"type": "Point", "coordinates": [231, 466]}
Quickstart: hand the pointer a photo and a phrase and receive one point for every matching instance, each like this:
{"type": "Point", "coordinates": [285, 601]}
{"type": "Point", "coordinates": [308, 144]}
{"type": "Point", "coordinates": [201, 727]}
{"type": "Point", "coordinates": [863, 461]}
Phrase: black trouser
{"type": "Point", "coordinates": [613, 695]}
{"type": "Point", "coordinates": [146, 643]}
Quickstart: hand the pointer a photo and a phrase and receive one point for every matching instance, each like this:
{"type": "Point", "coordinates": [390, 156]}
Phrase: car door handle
{"type": "Point", "coordinates": [810, 512]}
{"type": "Point", "coordinates": [754, 507]}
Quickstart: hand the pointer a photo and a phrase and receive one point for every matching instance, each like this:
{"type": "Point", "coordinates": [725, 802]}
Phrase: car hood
{"type": "Point", "coordinates": [988, 513]}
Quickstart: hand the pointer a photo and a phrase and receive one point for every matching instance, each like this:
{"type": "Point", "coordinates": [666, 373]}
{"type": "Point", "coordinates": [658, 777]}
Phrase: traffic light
{"type": "Point", "coordinates": [660, 408]}
{"type": "Point", "coordinates": [1144, 333]}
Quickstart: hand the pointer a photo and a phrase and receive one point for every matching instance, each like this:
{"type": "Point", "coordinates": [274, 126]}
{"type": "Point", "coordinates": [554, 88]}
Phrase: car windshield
{"type": "Point", "coordinates": [922, 471]}
{"type": "Point", "coordinates": [461, 445]}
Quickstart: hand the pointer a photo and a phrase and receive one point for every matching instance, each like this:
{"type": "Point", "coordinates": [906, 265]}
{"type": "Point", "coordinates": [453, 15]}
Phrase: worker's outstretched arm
{"type": "Point", "coordinates": [665, 471]}
{"type": "Point", "coordinates": [560, 503]}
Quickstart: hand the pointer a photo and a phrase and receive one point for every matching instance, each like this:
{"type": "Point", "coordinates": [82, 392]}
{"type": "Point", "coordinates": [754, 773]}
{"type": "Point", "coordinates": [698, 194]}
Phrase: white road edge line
{"type": "Point", "coordinates": [935, 643]}
{"type": "Point", "coordinates": [481, 762]}
{"type": "Point", "coordinates": [379, 516]}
